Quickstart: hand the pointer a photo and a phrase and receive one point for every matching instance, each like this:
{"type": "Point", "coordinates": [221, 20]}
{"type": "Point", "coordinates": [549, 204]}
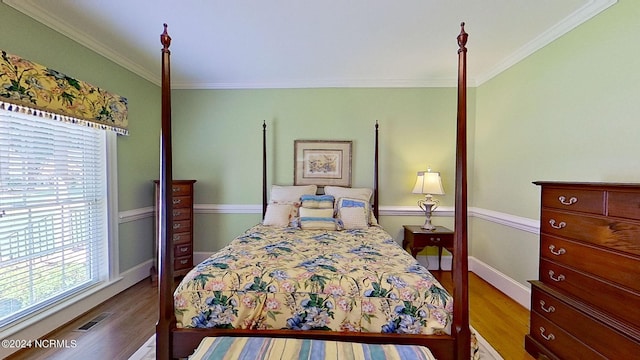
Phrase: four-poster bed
{"type": "Point", "coordinates": [178, 336]}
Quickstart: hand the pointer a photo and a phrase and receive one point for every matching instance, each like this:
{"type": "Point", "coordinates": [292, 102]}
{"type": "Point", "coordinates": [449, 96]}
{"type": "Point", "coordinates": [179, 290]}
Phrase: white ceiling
{"type": "Point", "coordinates": [302, 43]}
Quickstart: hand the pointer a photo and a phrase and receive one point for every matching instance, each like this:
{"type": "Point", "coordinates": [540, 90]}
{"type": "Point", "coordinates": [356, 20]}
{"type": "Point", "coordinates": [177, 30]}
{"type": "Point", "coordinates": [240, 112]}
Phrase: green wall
{"type": "Point", "coordinates": [217, 140]}
{"type": "Point", "coordinates": [568, 112]}
{"type": "Point", "coordinates": [137, 153]}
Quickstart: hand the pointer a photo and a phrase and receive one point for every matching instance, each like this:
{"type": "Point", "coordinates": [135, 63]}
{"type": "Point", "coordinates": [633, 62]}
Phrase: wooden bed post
{"type": "Point", "coordinates": [264, 168]}
{"type": "Point", "coordinates": [376, 200]}
{"type": "Point", "coordinates": [166, 316]}
{"type": "Point", "coordinates": [461, 274]}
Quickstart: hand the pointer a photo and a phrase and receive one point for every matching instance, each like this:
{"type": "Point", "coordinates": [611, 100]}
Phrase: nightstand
{"type": "Point", "coordinates": [416, 239]}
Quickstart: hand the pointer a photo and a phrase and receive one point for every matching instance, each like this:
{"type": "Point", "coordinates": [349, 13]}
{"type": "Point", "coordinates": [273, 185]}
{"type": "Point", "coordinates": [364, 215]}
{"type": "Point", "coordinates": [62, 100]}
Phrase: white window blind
{"type": "Point", "coordinates": [53, 212]}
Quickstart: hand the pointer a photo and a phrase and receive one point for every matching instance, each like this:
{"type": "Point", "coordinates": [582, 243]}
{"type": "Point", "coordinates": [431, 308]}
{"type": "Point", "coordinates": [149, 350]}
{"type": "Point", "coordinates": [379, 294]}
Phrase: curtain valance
{"type": "Point", "coordinates": [34, 86]}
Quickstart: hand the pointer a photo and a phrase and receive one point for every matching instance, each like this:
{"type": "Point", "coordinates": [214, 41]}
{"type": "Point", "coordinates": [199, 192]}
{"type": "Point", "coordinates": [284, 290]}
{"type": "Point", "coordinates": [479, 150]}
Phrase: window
{"type": "Point", "coordinates": [54, 212]}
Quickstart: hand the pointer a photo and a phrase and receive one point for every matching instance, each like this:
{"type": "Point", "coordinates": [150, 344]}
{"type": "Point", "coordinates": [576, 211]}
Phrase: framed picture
{"type": "Point", "coordinates": [320, 162]}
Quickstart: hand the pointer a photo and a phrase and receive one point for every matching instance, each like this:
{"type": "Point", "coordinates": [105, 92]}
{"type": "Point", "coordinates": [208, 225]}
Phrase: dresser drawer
{"type": "Point", "coordinates": [588, 201]}
{"type": "Point", "coordinates": [182, 250]}
{"type": "Point", "coordinates": [181, 225]}
{"type": "Point", "coordinates": [600, 337]}
{"type": "Point", "coordinates": [561, 343]}
{"type": "Point", "coordinates": [620, 268]}
{"type": "Point", "coordinates": [624, 204]}
{"type": "Point", "coordinates": [606, 232]}
{"type": "Point", "coordinates": [181, 238]}
{"type": "Point", "coordinates": [181, 213]}
{"type": "Point", "coordinates": [622, 303]}
{"type": "Point", "coordinates": [178, 189]}
{"type": "Point", "coordinates": [181, 201]}
{"type": "Point", "coordinates": [185, 262]}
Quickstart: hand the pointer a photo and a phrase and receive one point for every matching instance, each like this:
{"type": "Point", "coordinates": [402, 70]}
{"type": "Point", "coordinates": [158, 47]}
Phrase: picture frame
{"type": "Point", "coordinates": [322, 162]}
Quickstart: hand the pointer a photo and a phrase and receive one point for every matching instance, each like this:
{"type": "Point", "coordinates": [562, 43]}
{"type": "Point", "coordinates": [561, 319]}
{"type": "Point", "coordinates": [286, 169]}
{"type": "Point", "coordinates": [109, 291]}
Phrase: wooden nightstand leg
{"type": "Point", "coordinates": [439, 258]}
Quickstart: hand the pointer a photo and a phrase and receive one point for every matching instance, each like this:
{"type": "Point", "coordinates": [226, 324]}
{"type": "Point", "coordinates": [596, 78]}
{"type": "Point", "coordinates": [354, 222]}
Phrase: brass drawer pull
{"type": "Point", "coordinates": [560, 225]}
{"type": "Point", "coordinates": [546, 337]}
{"type": "Point", "coordinates": [572, 200]}
{"type": "Point", "coordinates": [177, 226]}
{"type": "Point", "coordinates": [175, 189]}
{"type": "Point", "coordinates": [184, 249]}
{"type": "Point", "coordinates": [435, 240]}
{"type": "Point", "coordinates": [556, 279]}
{"type": "Point", "coordinates": [182, 262]}
{"type": "Point", "coordinates": [549, 309]}
{"type": "Point", "coordinates": [177, 201]}
{"type": "Point", "coordinates": [176, 237]}
{"type": "Point", "coordinates": [558, 252]}
{"type": "Point", "coordinates": [177, 212]}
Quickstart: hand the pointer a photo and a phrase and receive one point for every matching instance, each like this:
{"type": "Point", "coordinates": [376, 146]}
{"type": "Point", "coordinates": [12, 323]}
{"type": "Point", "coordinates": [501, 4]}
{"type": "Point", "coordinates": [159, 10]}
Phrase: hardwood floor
{"type": "Point", "coordinates": [133, 313]}
{"type": "Point", "coordinates": [499, 319]}
{"type": "Point", "coordinates": [131, 320]}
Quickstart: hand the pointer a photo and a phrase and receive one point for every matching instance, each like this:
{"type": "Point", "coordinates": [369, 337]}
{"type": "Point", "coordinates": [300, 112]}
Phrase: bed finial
{"type": "Point", "coordinates": [165, 39]}
{"type": "Point", "coordinates": [462, 38]}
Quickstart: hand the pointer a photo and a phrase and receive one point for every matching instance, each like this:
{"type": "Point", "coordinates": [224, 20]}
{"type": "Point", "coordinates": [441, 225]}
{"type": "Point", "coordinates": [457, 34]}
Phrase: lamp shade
{"type": "Point", "coordinates": [428, 183]}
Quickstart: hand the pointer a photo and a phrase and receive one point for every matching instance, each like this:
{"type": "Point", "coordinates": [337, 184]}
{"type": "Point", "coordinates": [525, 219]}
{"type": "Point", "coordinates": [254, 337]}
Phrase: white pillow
{"type": "Point", "coordinates": [363, 205]}
{"type": "Point", "coordinates": [315, 213]}
{"type": "Point", "coordinates": [353, 217]}
{"type": "Point", "coordinates": [354, 193]}
{"type": "Point", "coordinates": [277, 215]}
{"type": "Point", "coordinates": [291, 193]}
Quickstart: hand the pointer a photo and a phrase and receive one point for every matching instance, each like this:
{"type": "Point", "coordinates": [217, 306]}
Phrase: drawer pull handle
{"type": "Point", "coordinates": [184, 261]}
{"type": "Point", "coordinates": [572, 200]}
{"type": "Point", "coordinates": [549, 309]}
{"type": "Point", "coordinates": [175, 189]}
{"type": "Point", "coordinates": [176, 237]}
{"type": "Point", "coordinates": [177, 226]}
{"type": "Point", "coordinates": [546, 337]}
{"type": "Point", "coordinates": [556, 279]}
{"type": "Point", "coordinates": [185, 249]}
{"type": "Point", "coordinates": [177, 201]}
{"type": "Point", "coordinates": [435, 240]}
{"type": "Point", "coordinates": [558, 252]}
{"type": "Point", "coordinates": [177, 212]}
{"type": "Point", "coordinates": [560, 225]}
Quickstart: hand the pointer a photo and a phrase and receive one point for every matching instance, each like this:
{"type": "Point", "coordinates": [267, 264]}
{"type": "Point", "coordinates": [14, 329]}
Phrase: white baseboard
{"type": "Point", "coordinates": [513, 289]}
{"type": "Point", "coordinates": [44, 323]}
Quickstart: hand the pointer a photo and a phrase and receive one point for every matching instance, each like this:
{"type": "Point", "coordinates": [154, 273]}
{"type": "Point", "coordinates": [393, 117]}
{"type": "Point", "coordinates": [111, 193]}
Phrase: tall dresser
{"type": "Point", "coordinates": [182, 201]}
{"type": "Point", "coordinates": [586, 303]}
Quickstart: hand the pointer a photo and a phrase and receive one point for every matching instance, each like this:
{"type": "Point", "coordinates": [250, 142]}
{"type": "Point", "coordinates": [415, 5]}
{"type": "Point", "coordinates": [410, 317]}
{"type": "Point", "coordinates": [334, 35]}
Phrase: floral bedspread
{"type": "Point", "coordinates": [350, 280]}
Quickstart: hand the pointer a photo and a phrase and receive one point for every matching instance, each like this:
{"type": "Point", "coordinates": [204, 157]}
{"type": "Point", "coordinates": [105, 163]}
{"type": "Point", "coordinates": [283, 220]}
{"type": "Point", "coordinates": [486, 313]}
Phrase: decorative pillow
{"type": "Point", "coordinates": [290, 193]}
{"type": "Point", "coordinates": [361, 205]}
{"type": "Point", "coordinates": [277, 215]}
{"type": "Point", "coordinates": [353, 217]}
{"type": "Point", "coordinates": [319, 213]}
{"type": "Point", "coordinates": [317, 201]}
{"type": "Point", "coordinates": [318, 223]}
{"type": "Point", "coordinates": [353, 193]}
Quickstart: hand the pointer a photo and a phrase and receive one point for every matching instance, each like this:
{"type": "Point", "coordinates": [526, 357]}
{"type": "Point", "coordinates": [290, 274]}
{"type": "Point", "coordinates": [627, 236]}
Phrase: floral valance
{"type": "Point", "coordinates": [28, 84]}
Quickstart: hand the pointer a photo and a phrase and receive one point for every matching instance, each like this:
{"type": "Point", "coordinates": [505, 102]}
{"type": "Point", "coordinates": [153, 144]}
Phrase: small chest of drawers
{"type": "Point", "coordinates": [182, 225]}
{"type": "Point", "coordinates": [586, 303]}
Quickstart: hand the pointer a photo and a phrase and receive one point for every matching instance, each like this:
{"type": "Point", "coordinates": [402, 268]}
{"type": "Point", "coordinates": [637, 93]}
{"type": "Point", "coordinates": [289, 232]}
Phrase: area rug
{"type": "Point", "coordinates": [148, 350]}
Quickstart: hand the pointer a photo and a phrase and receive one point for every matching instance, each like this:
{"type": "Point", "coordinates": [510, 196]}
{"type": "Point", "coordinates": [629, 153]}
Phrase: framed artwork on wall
{"type": "Point", "coordinates": [322, 162]}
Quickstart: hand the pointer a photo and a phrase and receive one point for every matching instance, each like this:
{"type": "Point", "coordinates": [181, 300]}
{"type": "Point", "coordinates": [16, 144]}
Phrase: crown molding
{"type": "Point", "coordinates": [590, 9]}
{"type": "Point", "coordinates": [30, 8]}
{"type": "Point", "coordinates": [569, 23]}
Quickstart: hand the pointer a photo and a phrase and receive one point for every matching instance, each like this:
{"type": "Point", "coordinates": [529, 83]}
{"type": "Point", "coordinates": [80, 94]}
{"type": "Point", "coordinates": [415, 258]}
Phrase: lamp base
{"type": "Point", "coordinates": [428, 205]}
{"type": "Point", "coordinates": [428, 225]}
